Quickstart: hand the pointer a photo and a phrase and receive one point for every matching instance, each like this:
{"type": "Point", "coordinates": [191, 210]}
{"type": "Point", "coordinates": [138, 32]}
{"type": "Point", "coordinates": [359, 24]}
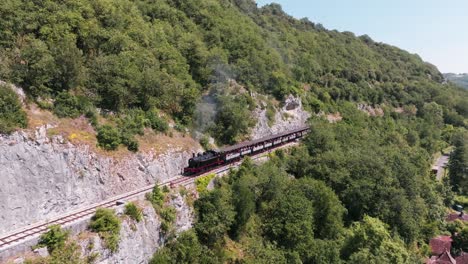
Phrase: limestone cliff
{"type": "Point", "coordinates": [291, 115]}
{"type": "Point", "coordinates": [43, 177]}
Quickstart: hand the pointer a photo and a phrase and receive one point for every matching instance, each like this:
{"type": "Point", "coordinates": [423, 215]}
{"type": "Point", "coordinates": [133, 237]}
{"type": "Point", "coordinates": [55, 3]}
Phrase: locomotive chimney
{"type": "Point", "coordinates": [193, 155]}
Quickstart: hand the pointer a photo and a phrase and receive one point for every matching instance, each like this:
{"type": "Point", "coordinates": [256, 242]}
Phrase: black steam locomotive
{"type": "Point", "coordinates": [206, 161]}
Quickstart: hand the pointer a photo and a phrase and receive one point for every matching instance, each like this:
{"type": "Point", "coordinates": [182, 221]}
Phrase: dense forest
{"type": "Point", "coordinates": [152, 60]}
{"type": "Point", "coordinates": [357, 191]}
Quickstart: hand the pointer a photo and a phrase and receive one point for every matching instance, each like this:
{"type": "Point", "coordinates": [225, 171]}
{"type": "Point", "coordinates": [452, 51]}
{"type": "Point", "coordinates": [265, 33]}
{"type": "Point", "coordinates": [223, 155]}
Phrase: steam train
{"type": "Point", "coordinates": [211, 159]}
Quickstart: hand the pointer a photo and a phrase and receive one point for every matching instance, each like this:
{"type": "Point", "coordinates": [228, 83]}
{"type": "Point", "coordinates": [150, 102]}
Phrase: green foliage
{"type": "Point", "coordinates": [107, 224]}
{"type": "Point", "coordinates": [66, 105]}
{"type": "Point", "coordinates": [108, 137]}
{"type": "Point", "coordinates": [163, 55]}
{"type": "Point", "coordinates": [168, 216]}
{"type": "Point", "coordinates": [53, 239]}
{"type": "Point", "coordinates": [370, 242]}
{"type": "Point", "coordinates": [156, 197]}
{"type": "Point", "coordinates": [69, 253]}
{"type": "Point", "coordinates": [167, 213]}
{"type": "Point", "coordinates": [156, 122]}
{"type": "Point", "coordinates": [270, 114]}
{"type": "Point", "coordinates": [185, 250]}
{"type": "Point", "coordinates": [458, 164]}
{"type": "Point", "coordinates": [12, 115]}
{"type": "Point", "coordinates": [233, 118]}
{"type": "Point", "coordinates": [215, 215]}
{"type": "Point", "coordinates": [289, 220]}
{"type": "Point", "coordinates": [461, 200]}
{"type": "Point", "coordinates": [460, 241]}
{"type": "Point", "coordinates": [202, 182]}
{"type": "Point", "coordinates": [133, 211]}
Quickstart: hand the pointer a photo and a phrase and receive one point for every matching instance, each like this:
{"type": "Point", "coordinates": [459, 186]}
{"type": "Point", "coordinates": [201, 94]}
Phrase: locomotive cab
{"type": "Point", "coordinates": [203, 161]}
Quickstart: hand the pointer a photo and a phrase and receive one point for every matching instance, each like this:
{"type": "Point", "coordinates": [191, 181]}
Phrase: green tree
{"type": "Point", "coordinates": [233, 119]}
{"type": "Point", "coordinates": [458, 164]}
{"type": "Point", "coordinates": [369, 241]}
{"type": "Point", "coordinates": [186, 249]}
{"type": "Point", "coordinates": [215, 215]}
{"type": "Point", "coordinates": [289, 220]}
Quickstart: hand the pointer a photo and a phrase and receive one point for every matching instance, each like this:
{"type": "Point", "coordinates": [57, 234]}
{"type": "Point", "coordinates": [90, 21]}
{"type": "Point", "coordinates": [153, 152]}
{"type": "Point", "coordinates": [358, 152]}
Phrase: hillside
{"type": "Point", "coordinates": [117, 91]}
{"type": "Point", "coordinates": [459, 79]}
{"type": "Point", "coordinates": [161, 56]}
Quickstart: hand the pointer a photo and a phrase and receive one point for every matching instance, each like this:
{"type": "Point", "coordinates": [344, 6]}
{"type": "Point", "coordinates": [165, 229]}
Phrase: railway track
{"type": "Point", "coordinates": [40, 228]}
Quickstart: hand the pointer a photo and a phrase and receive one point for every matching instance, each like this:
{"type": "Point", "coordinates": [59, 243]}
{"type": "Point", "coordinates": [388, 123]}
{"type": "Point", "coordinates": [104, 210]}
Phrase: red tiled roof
{"type": "Point", "coordinates": [454, 216]}
{"type": "Point", "coordinates": [462, 259]}
{"type": "Point", "coordinates": [440, 245]}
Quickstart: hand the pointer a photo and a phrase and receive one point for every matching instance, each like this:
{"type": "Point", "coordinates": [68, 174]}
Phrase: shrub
{"type": "Point", "coordinates": [11, 114]}
{"type": "Point", "coordinates": [54, 238]}
{"type": "Point", "coordinates": [270, 114]}
{"type": "Point", "coordinates": [107, 224]}
{"type": "Point", "coordinates": [155, 122]}
{"type": "Point", "coordinates": [168, 216]}
{"type": "Point", "coordinates": [66, 105]}
{"type": "Point", "coordinates": [130, 142]}
{"type": "Point", "coordinates": [133, 211]}
{"type": "Point", "coordinates": [133, 122]}
{"type": "Point", "coordinates": [156, 197]}
{"type": "Point", "coordinates": [202, 182]}
{"type": "Point", "coordinates": [108, 137]}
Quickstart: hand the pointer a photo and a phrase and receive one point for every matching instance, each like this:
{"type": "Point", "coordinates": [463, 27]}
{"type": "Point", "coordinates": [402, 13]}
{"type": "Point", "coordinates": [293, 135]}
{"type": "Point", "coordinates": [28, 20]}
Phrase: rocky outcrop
{"type": "Point", "coordinates": [138, 240]}
{"type": "Point", "coordinates": [291, 115]}
{"type": "Point", "coordinates": [42, 178]}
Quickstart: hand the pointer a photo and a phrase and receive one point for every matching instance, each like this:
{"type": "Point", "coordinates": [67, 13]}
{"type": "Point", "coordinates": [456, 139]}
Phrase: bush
{"type": "Point", "coordinates": [108, 137]}
{"type": "Point", "coordinates": [11, 114]}
{"type": "Point", "coordinates": [156, 122]}
{"type": "Point", "coordinates": [156, 197]}
{"type": "Point", "coordinates": [66, 105]}
{"type": "Point", "coordinates": [130, 142]}
{"type": "Point", "coordinates": [202, 182]}
{"type": "Point", "coordinates": [107, 224]}
{"type": "Point", "coordinates": [54, 238]}
{"type": "Point", "coordinates": [133, 122]}
{"type": "Point", "coordinates": [133, 211]}
{"type": "Point", "coordinates": [168, 216]}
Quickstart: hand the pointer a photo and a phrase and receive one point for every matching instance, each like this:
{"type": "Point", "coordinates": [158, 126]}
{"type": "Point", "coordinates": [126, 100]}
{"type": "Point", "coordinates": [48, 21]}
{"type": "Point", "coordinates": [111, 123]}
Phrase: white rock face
{"type": "Point", "coordinates": [291, 115]}
{"type": "Point", "coordinates": [42, 178]}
